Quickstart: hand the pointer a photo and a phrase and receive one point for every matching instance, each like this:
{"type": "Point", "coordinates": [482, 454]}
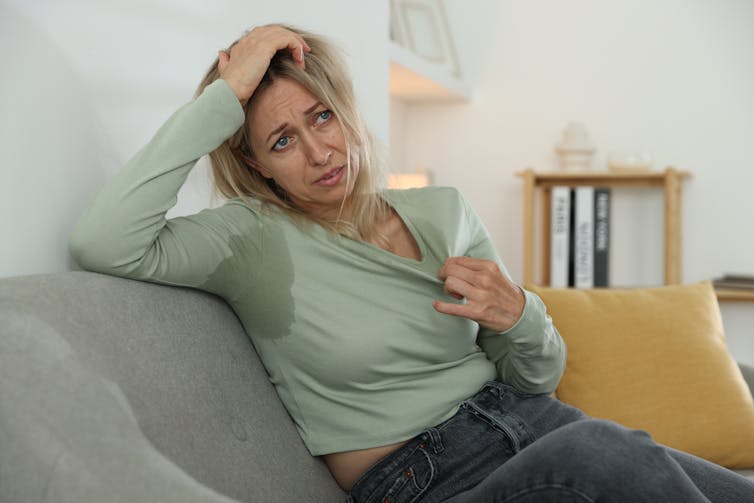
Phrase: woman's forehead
{"type": "Point", "coordinates": [283, 96]}
{"type": "Point", "coordinates": [282, 102]}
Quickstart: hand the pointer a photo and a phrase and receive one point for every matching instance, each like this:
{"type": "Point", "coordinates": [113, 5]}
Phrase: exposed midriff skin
{"type": "Point", "coordinates": [346, 467]}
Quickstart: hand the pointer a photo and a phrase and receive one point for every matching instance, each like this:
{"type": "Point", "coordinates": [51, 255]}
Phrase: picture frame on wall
{"type": "Point", "coordinates": [422, 27]}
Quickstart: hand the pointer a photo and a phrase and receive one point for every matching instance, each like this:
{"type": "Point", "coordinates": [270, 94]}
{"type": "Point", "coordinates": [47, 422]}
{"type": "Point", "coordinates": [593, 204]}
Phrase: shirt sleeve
{"type": "Point", "coordinates": [124, 232]}
{"type": "Point", "coordinates": [531, 354]}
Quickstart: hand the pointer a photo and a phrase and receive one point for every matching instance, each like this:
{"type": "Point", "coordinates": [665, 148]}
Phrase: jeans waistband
{"type": "Point", "coordinates": [429, 440]}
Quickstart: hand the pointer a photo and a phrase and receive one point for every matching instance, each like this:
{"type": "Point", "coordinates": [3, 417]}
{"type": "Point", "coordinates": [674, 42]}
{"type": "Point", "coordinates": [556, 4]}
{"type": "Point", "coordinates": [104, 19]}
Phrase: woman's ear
{"type": "Point", "coordinates": [244, 158]}
{"type": "Point", "coordinates": [260, 169]}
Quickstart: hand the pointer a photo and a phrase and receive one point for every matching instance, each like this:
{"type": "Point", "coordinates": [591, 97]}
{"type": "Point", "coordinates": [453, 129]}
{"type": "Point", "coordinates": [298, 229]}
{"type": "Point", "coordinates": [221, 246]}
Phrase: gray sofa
{"type": "Point", "coordinates": [122, 391]}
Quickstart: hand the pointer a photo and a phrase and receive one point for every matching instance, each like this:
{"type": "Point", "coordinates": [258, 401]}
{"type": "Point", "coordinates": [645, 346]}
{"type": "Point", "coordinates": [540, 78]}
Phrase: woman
{"type": "Point", "coordinates": [401, 349]}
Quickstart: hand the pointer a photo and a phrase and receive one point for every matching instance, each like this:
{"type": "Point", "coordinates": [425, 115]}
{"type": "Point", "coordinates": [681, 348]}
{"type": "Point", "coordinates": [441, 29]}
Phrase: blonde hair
{"type": "Point", "coordinates": [326, 77]}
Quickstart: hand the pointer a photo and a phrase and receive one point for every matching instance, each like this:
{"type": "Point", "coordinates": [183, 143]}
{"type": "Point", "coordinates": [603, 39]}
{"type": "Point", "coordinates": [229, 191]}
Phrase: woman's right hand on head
{"type": "Point", "coordinates": [244, 65]}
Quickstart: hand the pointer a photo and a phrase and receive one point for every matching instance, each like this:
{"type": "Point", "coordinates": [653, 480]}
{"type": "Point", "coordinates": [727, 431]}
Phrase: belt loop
{"type": "Point", "coordinates": [434, 435]}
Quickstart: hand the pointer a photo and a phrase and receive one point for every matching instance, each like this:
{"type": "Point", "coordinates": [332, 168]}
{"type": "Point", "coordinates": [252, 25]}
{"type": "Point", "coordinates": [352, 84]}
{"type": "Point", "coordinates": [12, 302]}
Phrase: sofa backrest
{"type": "Point", "coordinates": [176, 365]}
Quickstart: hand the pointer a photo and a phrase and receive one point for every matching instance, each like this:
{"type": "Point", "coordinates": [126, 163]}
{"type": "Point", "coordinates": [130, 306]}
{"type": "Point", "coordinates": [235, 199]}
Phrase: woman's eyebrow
{"type": "Point", "coordinates": [280, 128]}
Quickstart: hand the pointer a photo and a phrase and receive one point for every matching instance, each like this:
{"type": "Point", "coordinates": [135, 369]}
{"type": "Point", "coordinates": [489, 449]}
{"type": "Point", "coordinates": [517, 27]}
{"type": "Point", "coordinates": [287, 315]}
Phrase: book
{"type": "Point", "coordinates": [734, 282]}
{"type": "Point", "coordinates": [583, 235]}
{"type": "Point", "coordinates": [601, 236]}
{"type": "Point", "coordinates": [572, 240]}
{"type": "Point", "coordinates": [560, 235]}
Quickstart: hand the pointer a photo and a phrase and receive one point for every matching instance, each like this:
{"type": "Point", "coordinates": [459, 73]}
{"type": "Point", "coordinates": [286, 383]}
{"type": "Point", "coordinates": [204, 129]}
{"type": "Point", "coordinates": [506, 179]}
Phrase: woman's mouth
{"type": "Point", "coordinates": [332, 177]}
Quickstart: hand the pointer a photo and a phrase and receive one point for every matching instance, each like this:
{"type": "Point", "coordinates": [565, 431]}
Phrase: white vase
{"type": "Point", "coordinates": [576, 151]}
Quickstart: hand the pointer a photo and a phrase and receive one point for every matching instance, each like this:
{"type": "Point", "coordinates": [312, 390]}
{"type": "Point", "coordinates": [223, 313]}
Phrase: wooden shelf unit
{"type": "Point", "coordinates": [734, 295]}
{"type": "Point", "coordinates": [669, 181]}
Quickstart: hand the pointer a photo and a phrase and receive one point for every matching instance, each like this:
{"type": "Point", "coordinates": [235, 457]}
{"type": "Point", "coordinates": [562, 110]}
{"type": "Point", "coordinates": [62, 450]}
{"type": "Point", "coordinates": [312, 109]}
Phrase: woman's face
{"type": "Point", "coordinates": [298, 142]}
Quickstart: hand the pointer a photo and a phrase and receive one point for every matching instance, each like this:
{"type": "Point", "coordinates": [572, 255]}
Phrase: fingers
{"type": "Point", "coordinates": [222, 60]}
{"type": "Point", "coordinates": [456, 264]}
{"type": "Point", "coordinates": [499, 316]}
{"type": "Point", "coordinates": [492, 299]}
{"type": "Point", "coordinates": [297, 49]}
{"type": "Point", "coordinates": [460, 288]}
{"type": "Point", "coordinates": [274, 38]}
{"type": "Point", "coordinates": [478, 273]}
{"type": "Point", "coordinates": [451, 308]}
{"type": "Point", "coordinates": [483, 314]}
{"type": "Point", "coordinates": [244, 64]}
{"type": "Point", "coordinates": [470, 278]}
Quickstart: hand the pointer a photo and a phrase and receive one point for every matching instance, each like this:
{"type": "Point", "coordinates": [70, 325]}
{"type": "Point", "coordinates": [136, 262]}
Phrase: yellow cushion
{"type": "Point", "coordinates": [656, 359]}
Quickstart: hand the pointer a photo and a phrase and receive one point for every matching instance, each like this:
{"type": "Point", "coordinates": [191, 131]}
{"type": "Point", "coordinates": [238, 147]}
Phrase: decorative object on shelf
{"type": "Point", "coordinates": [629, 162]}
{"type": "Point", "coordinates": [417, 179]}
{"type": "Point", "coordinates": [421, 27]}
{"type": "Point", "coordinates": [576, 150]}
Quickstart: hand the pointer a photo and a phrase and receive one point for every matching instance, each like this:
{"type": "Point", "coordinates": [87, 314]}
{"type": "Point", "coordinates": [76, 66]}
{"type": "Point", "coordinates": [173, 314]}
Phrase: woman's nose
{"type": "Point", "coordinates": [324, 159]}
{"type": "Point", "coordinates": [319, 153]}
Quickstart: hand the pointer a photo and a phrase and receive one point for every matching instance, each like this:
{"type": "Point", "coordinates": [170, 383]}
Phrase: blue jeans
{"type": "Point", "coordinates": [508, 446]}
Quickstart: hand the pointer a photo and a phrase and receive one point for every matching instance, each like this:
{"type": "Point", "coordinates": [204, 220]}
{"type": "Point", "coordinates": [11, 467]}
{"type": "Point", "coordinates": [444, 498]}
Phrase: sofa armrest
{"type": "Point", "coordinates": [748, 373]}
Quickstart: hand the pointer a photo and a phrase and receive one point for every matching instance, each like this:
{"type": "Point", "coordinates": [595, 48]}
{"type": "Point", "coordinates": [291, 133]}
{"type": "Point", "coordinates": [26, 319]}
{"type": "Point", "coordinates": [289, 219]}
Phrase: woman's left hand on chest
{"type": "Point", "coordinates": [492, 300]}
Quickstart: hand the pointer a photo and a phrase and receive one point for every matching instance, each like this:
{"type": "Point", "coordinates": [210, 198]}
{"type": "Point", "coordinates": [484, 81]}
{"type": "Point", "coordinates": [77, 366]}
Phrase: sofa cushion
{"type": "Point", "coordinates": [656, 359]}
{"type": "Point", "coordinates": [168, 371]}
{"type": "Point", "coordinates": [68, 435]}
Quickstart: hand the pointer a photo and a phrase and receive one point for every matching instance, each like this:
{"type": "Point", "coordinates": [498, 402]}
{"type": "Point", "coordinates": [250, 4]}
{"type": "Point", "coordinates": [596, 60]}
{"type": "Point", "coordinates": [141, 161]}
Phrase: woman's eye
{"type": "Point", "coordinates": [281, 143]}
{"type": "Point", "coordinates": [323, 116]}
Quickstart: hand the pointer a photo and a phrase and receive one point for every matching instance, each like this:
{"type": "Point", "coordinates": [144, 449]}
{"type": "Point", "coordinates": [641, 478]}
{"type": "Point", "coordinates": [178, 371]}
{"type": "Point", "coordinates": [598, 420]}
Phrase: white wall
{"type": "Point", "coordinates": [86, 83]}
{"type": "Point", "coordinates": [674, 77]}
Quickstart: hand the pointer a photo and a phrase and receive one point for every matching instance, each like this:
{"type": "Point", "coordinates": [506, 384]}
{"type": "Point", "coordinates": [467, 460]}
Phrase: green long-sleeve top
{"type": "Point", "coordinates": [346, 330]}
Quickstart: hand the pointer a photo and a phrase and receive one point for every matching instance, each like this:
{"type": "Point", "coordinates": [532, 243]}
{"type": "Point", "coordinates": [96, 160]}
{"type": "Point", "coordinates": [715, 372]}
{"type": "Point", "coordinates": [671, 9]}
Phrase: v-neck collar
{"type": "Point", "coordinates": [413, 231]}
{"type": "Point", "coordinates": [390, 198]}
